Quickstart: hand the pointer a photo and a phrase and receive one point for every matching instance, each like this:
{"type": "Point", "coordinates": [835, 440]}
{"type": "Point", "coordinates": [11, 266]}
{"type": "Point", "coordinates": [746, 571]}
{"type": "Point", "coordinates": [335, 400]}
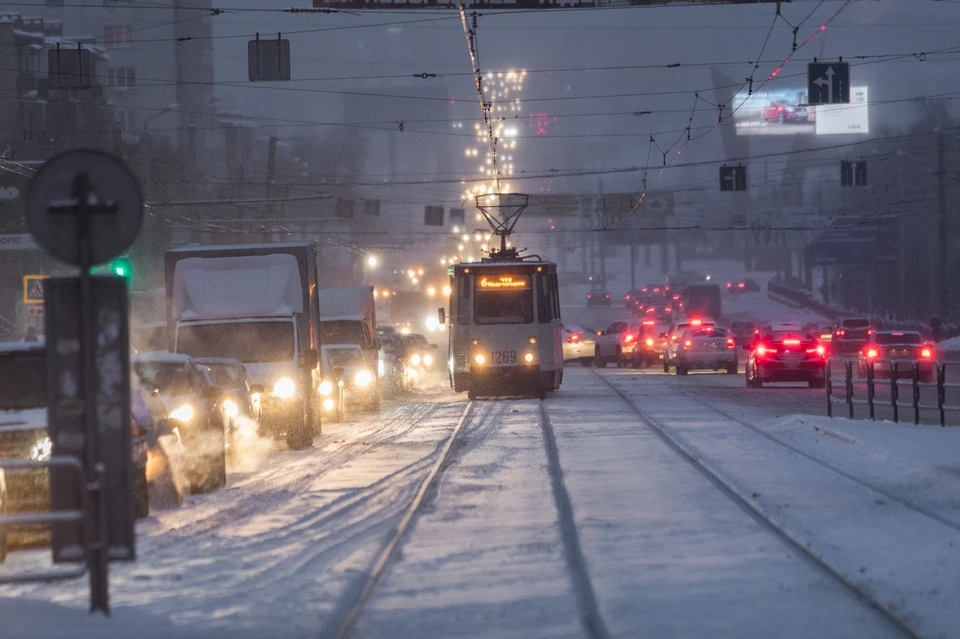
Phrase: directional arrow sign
{"type": "Point", "coordinates": [733, 178]}
{"type": "Point", "coordinates": [828, 83]}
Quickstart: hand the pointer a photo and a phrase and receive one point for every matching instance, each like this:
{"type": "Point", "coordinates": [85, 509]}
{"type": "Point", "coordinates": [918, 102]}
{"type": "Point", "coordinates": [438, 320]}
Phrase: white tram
{"type": "Point", "coordinates": [504, 327]}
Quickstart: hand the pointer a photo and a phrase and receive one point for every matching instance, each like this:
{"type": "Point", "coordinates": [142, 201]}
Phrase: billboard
{"type": "Point", "coordinates": [786, 112]}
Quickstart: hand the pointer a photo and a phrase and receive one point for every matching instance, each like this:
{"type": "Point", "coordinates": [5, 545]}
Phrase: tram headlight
{"type": "Point", "coordinates": [480, 359]}
{"type": "Point", "coordinates": [528, 358]}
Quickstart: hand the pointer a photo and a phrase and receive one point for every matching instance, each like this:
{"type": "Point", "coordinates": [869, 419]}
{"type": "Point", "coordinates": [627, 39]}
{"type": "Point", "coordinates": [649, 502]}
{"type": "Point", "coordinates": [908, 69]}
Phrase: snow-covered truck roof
{"type": "Point", "coordinates": [236, 287]}
{"type": "Point", "coordinates": [349, 303]}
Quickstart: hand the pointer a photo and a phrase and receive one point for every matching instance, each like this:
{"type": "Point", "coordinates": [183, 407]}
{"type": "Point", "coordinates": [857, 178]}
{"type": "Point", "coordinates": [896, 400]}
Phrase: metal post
{"type": "Point", "coordinates": [96, 523]}
{"type": "Point", "coordinates": [942, 231]}
{"type": "Point", "coordinates": [894, 392]}
{"type": "Point", "coordinates": [848, 370]}
{"type": "Point", "coordinates": [829, 384]}
{"type": "Point", "coordinates": [870, 389]}
{"type": "Point", "coordinates": [916, 394]}
{"type": "Point", "coordinates": [941, 392]}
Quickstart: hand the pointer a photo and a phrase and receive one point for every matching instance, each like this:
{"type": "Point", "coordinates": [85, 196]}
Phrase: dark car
{"type": "Point", "coordinates": [744, 286]}
{"type": "Point", "coordinates": [194, 406]}
{"type": "Point", "coordinates": [785, 356]}
{"type": "Point", "coordinates": [240, 398]}
{"type": "Point", "coordinates": [390, 366]}
{"type": "Point", "coordinates": [905, 348]}
{"type": "Point", "coordinates": [631, 298]}
{"type": "Point", "coordinates": [850, 334]}
{"type": "Point", "coordinates": [742, 330]}
{"type": "Point", "coordinates": [598, 295]}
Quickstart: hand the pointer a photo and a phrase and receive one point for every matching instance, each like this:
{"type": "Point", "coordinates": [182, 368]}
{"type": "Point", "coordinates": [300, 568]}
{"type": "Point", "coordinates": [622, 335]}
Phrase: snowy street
{"type": "Point", "coordinates": [786, 526]}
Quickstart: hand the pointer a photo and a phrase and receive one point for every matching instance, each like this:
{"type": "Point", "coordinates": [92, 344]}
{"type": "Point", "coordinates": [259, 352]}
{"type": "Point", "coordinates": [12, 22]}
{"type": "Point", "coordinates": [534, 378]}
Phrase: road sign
{"type": "Point", "coordinates": [733, 178]}
{"type": "Point", "coordinates": [268, 60]}
{"type": "Point", "coordinates": [33, 289]}
{"type": "Point", "coordinates": [111, 405]}
{"type": "Point", "coordinates": [853, 173]}
{"type": "Point", "coordinates": [433, 216]}
{"type": "Point", "coordinates": [828, 83]}
{"type": "Point", "coordinates": [456, 216]}
{"type": "Point", "coordinates": [115, 206]}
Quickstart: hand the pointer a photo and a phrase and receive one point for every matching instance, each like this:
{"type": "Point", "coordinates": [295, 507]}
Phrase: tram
{"type": "Point", "coordinates": [505, 334]}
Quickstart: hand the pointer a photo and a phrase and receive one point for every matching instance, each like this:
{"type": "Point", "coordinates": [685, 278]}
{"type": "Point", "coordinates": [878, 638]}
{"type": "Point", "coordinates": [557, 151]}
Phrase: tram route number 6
{"type": "Point", "coordinates": [504, 357]}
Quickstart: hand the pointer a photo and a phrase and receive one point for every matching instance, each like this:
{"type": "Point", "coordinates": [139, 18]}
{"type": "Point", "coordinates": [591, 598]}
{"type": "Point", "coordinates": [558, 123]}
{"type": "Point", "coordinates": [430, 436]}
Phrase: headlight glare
{"type": "Point", "coordinates": [183, 413]}
{"type": "Point", "coordinates": [428, 360]}
{"type": "Point", "coordinates": [230, 408]}
{"type": "Point", "coordinates": [480, 359]}
{"type": "Point", "coordinates": [326, 387]}
{"type": "Point", "coordinates": [284, 388]}
{"type": "Point", "coordinates": [329, 404]}
{"type": "Point", "coordinates": [363, 379]}
{"type": "Point", "coordinates": [42, 450]}
{"type": "Point", "coordinates": [415, 359]}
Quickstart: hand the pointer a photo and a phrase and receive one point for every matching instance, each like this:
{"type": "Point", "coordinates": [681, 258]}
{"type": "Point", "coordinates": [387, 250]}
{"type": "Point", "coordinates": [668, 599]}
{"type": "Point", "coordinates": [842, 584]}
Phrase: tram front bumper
{"type": "Point", "coordinates": [505, 380]}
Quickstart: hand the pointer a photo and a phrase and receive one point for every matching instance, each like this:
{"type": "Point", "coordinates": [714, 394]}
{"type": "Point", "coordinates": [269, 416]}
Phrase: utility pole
{"type": "Point", "coordinates": [943, 297]}
{"type": "Point", "coordinates": [271, 174]}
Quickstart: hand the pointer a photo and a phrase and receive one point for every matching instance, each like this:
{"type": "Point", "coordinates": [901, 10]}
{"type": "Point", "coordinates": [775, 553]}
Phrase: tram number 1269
{"type": "Point", "coordinates": [504, 357]}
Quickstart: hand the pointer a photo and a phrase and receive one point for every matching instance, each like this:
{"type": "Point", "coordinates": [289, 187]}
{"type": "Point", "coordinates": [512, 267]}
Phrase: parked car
{"type": "Point", "coordinates": [195, 409]}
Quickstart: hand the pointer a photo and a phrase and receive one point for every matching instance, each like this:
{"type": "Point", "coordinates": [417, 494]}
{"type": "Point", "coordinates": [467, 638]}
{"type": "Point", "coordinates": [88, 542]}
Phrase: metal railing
{"type": "Point", "coordinates": [914, 385]}
{"type": "Point", "coordinates": [49, 517]}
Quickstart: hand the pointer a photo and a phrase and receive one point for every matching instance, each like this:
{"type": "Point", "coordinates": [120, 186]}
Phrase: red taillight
{"type": "Point", "coordinates": [628, 338]}
{"type": "Point", "coordinates": [729, 284]}
{"type": "Point", "coordinates": [673, 338]}
{"type": "Point", "coordinates": [821, 351]}
{"type": "Point", "coordinates": [649, 322]}
{"type": "Point", "coordinates": [668, 309]}
{"type": "Point", "coordinates": [608, 295]}
{"type": "Point", "coordinates": [649, 341]}
{"type": "Point", "coordinates": [729, 342]}
{"type": "Point", "coordinates": [741, 285]}
{"type": "Point", "coordinates": [871, 353]}
{"type": "Point", "coordinates": [627, 296]}
{"type": "Point", "coordinates": [840, 332]}
{"type": "Point", "coordinates": [573, 339]}
{"type": "Point", "coordinates": [676, 297]}
{"type": "Point", "coordinates": [643, 290]}
{"type": "Point", "coordinates": [791, 342]}
{"type": "Point", "coordinates": [871, 331]}
{"type": "Point", "coordinates": [589, 296]}
{"type": "Point", "coordinates": [763, 350]}
{"type": "Point", "coordinates": [687, 344]}
{"type": "Point", "coordinates": [696, 322]}
{"type": "Point", "coordinates": [926, 352]}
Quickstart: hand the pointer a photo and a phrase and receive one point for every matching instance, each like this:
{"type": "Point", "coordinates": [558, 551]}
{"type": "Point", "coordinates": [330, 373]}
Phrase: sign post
{"type": "Point", "coordinates": [85, 208]}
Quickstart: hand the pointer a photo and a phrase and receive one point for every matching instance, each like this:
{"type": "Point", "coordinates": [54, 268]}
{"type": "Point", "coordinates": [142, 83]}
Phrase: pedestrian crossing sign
{"type": "Point", "coordinates": [33, 289]}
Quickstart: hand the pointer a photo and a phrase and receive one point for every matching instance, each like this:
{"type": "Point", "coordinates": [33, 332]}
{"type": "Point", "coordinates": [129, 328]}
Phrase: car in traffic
{"type": "Point", "coordinates": [742, 330]}
{"type": "Point", "coordinates": [194, 406]}
{"type": "Point", "coordinates": [906, 349]}
{"type": "Point", "coordinates": [239, 399]}
{"type": "Point", "coordinates": [390, 367]}
{"type": "Point", "coordinates": [824, 332]}
{"type": "Point", "coordinates": [850, 334]}
{"type": "Point", "coordinates": [345, 363]}
{"type": "Point", "coordinates": [630, 299]}
{"type": "Point", "coordinates": [707, 348]}
{"type": "Point", "coordinates": [579, 344]}
{"type": "Point", "coordinates": [671, 341]}
{"type": "Point", "coordinates": [617, 345]}
{"type": "Point", "coordinates": [650, 349]}
{"type": "Point", "coordinates": [598, 295]}
{"type": "Point", "coordinates": [420, 355]}
{"type": "Point", "coordinates": [744, 286]}
{"type": "Point", "coordinates": [789, 355]}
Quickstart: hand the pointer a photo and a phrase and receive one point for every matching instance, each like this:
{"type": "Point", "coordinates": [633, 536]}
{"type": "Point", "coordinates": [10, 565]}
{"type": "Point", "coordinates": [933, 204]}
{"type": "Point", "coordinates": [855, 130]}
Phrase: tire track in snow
{"type": "Point", "coordinates": [590, 617]}
{"type": "Point", "coordinates": [777, 528]}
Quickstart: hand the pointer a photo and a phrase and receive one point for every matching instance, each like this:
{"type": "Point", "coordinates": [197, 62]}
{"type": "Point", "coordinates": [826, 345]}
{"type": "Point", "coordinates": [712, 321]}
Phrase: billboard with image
{"type": "Point", "coordinates": [786, 112]}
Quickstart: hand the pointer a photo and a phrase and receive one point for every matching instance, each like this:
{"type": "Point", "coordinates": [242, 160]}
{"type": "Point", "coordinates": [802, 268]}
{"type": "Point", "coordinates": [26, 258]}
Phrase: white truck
{"type": "Point", "coordinates": [257, 304]}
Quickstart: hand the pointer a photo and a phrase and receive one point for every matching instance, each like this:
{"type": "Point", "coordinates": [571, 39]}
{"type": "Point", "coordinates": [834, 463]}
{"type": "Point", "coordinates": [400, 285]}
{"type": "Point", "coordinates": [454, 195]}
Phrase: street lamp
{"type": "Point", "coordinates": [372, 261]}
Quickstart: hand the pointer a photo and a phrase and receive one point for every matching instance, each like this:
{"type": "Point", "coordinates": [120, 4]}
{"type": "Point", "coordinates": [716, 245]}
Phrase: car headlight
{"type": "Point", "coordinates": [230, 408]}
{"type": "Point", "coordinates": [326, 387]}
{"type": "Point", "coordinates": [428, 360]}
{"type": "Point", "coordinates": [42, 450]}
{"type": "Point", "coordinates": [284, 388]}
{"type": "Point", "coordinates": [363, 379]}
{"type": "Point", "coordinates": [415, 359]}
{"type": "Point", "coordinates": [182, 414]}
{"type": "Point", "coordinates": [329, 404]}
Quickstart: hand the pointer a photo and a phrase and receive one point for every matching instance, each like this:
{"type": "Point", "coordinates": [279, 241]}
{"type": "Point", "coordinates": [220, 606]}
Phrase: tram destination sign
{"type": "Point", "coordinates": [514, 5]}
{"type": "Point", "coordinates": [503, 282]}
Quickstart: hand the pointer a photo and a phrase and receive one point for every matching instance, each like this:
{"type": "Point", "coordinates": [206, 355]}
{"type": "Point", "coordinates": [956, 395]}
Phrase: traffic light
{"type": "Point", "coordinates": [120, 266]}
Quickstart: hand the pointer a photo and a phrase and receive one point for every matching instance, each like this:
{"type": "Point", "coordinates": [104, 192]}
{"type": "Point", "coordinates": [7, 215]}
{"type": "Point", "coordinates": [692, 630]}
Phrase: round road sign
{"type": "Point", "coordinates": [115, 201]}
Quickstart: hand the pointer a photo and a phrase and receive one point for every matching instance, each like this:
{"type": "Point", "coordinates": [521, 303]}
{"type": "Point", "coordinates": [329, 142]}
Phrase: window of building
{"type": "Point", "coordinates": [122, 77]}
{"type": "Point", "coordinates": [118, 34]}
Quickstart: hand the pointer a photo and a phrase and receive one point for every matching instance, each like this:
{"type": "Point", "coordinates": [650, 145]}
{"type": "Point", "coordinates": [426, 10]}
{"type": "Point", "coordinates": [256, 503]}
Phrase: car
{"type": "Point", "coordinates": [707, 347]}
{"type": "Point", "coordinates": [671, 341]}
{"type": "Point", "coordinates": [781, 111]}
{"type": "Point", "coordinates": [785, 356]}
{"type": "Point", "coordinates": [598, 295]}
{"type": "Point", "coordinates": [629, 300]}
{"type": "Point", "coordinates": [428, 355]}
{"type": "Point", "coordinates": [742, 330]}
{"type": "Point", "coordinates": [823, 331]}
{"type": "Point", "coordinates": [579, 344]}
{"type": "Point", "coordinates": [195, 409]}
{"type": "Point", "coordinates": [883, 348]}
{"type": "Point", "coordinates": [420, 354]}
{"type": "Point", "coordinates": [240, 399]}
{"type": "Point", "coordinates": [744, 286]}
{"type": "Point", "coordinates": [347, 365]}
{"type": "Point", "coordinates": [659, 312]}
{"type": "Point", "coordinates": [652, 334]}
{"type": "Point", "coordinates": [390, 369]}
{"type": "Point", "coordinates": [850, 334]}
{"type": "Point", "coordinates": [385, 330]}
{"type": "Point", "coordinates": [617, 345]}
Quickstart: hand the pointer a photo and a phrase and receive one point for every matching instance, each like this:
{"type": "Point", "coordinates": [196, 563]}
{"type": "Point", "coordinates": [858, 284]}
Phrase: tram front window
{"type": "Point", "coordinates": [503, 301]}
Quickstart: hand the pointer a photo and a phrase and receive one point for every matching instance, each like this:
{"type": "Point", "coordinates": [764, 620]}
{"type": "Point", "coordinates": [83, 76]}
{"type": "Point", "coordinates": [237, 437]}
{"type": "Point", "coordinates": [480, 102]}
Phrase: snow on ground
{"type": "Point", "coordinates": [269, 555]}
{"type": "Point", "coordinates": [905, 557]}
{"type": "Point", "coordinates": [670, 556]}
{"type": "Point", "coordinates": [485, 558]}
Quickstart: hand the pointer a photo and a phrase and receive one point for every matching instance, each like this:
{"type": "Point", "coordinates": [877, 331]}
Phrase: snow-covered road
{"type": "Point", "coordinates": [794, 527]}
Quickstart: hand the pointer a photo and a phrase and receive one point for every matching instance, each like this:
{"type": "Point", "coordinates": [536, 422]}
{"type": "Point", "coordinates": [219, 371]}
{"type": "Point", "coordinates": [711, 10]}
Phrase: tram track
{"type": "Point", "coordinates": [772, 524]}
